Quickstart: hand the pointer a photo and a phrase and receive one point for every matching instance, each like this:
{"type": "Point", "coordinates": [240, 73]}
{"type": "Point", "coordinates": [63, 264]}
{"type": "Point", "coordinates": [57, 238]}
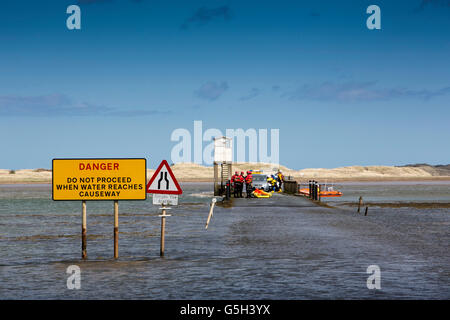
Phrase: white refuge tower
{"type": "Point", "coordinates": [223, 159]}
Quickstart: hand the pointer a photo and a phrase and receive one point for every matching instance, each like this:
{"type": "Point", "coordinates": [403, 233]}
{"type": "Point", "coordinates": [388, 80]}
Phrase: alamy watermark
{"type": "Point", "coordinates": [374, 20]}
{"type": "Point", "coordinates": [73, 22]}
{"type": "Point", "coordinates": [191, 147]}
{"type": "Point", "coordinates": [74, 280]}
{"type": "Point", "coordinates": [374, 280]}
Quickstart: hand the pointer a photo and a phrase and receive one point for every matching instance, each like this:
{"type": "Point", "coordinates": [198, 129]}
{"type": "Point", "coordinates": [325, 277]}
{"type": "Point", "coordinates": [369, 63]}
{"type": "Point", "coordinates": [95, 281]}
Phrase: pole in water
{"type": "Point", "coordinates": [213, 202]}
{"type": "Point", "coordinates": [367, 208]}
{"type": "Point", "coordinates": [116, 229]}
{"type": "Point", "coordinates": [313, 186]}
{"type": "Point", "coordinates": [360, 204]}
{"type": "Point", "coordinates": [83, 230]}
{"type": "Point", "coordinates": [310, 189]}
{"type": "Point", "coordinates": [315, 191]}
{"type": "Point", "coordinates": [163, 228]}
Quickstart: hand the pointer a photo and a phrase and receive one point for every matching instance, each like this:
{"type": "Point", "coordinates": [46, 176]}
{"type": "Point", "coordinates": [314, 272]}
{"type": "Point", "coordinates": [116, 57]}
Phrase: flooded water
{"type": "Point", "coordinates": [279, 248]}
{"type": "Point", "coordinates": [393, 192]}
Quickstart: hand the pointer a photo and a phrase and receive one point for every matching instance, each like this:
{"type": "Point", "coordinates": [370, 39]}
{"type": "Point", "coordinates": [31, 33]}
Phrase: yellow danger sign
{"type": "Point", "coordinates": [99, 179]}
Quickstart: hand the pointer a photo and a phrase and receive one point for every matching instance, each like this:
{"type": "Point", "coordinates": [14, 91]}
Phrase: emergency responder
{"type": "Point", "coordinates": [274, 183]}
{"type": "Point", "coordinates": [280, 178]}
{"type": "Point", "coordinates": [248, 184]}
{"type": "Point", "coordinates": [242, 181]}
{"type": "Point", "coordinates": [271, 183]}
{"type": "Point", "coordinates": [234, 183]}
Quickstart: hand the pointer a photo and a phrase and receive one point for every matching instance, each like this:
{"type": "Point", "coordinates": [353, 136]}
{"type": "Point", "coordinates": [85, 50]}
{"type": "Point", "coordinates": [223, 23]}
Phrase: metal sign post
{"type": "Point", "coordinates": [163, 228]}
{"type": "Point", "coordinates": [116, 229]}
{"type": "Point", "coordinates": [83, 230]}
{"type": "Point", "coordinates": [165, 189]}
{"type": "Point", "coordinates": [99, 179]}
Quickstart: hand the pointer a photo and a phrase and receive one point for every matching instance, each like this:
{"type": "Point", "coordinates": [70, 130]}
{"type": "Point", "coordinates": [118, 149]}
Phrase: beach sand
{"type": "Point", "coordinates": [191, 172]}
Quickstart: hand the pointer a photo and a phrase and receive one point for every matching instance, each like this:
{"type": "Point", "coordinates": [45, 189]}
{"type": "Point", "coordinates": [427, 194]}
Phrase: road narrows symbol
{"type": "Point", "coordinates": [163, 181]}
{"type": "Point", "coordinates": [163, 175]}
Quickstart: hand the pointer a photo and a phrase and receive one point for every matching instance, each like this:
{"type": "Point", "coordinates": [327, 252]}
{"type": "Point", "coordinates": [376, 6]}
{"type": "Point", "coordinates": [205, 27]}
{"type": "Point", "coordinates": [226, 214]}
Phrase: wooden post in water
{"type": "Point", "coordinates": [83, 230]}
{"type": "Point", "coordinates": [309, 187]}
{"type": "Point", "coordinates": [367, 208]}
{"type": "Point", "coordinates": [116, 229]}
{"type": "Point", "coordinates": [213, 202]}
{"type": "Point", "coordinates": [163, 228]}
{"type": "Point", "coordinates": [360, 204]}
{"type": "Point", "coordinates": [315, 191]}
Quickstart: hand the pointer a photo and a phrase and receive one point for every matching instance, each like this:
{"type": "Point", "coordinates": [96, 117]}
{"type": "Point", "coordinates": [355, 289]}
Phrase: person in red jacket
{"type": "Point", "coordinates": [235, 184]}
{"type": "Point", "coordinates": [241, 184]}
{"type": "Point", "coordinates": [248, 184]}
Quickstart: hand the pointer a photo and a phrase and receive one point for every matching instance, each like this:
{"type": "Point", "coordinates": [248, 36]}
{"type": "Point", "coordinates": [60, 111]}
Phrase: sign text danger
{"type": "Point", "coordinates": [99, 166]}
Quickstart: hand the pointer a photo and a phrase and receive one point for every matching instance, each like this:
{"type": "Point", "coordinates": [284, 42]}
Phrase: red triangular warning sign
{"type": "Point", "coordinates": [163, 181]}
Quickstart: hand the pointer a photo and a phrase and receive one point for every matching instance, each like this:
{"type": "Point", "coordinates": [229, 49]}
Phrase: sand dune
{"type": "Point", "coordinates": [369, 172]}
{"type": "Point", "coordinates": [26, 176]}
{"type": "Point", "coordinates": [195, 172]}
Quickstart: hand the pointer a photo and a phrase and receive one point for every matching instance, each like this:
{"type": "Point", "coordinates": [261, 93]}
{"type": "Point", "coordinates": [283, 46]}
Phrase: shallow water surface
{"type": "Point", "coordinates": [283, 248]}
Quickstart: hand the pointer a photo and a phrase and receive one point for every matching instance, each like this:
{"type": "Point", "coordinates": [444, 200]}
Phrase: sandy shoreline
{"type": "Point", "coordinates": [418, 180]}
{"type": "Point", "coordinates": [190, 172]}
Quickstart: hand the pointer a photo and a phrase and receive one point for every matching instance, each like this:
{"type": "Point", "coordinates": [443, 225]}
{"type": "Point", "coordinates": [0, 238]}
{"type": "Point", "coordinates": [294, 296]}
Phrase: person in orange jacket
{"type": "Point", "coordinates": [248, 184]}
{"type": "Point", "coordinates": [238, 184]}
{"type": "Point", "coordinates": [241, 183]}
{"type": "Point", "coordinates": [234, 183]}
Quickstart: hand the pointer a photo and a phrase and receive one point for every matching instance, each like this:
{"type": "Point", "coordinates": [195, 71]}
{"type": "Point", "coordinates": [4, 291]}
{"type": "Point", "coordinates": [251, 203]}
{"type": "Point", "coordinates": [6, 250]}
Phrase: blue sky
{"type": "Point", "coordinates": [137, 70]}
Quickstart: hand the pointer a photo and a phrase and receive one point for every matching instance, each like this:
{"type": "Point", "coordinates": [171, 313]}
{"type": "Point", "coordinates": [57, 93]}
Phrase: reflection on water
{"type": "Point", "coordinates": [274, 252]}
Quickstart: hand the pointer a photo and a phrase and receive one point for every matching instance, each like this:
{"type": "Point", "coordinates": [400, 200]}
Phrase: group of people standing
{"type": "Point", "coordinates": [275, 182]}
{"type": "Point", "coordinates": [238, 181]}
